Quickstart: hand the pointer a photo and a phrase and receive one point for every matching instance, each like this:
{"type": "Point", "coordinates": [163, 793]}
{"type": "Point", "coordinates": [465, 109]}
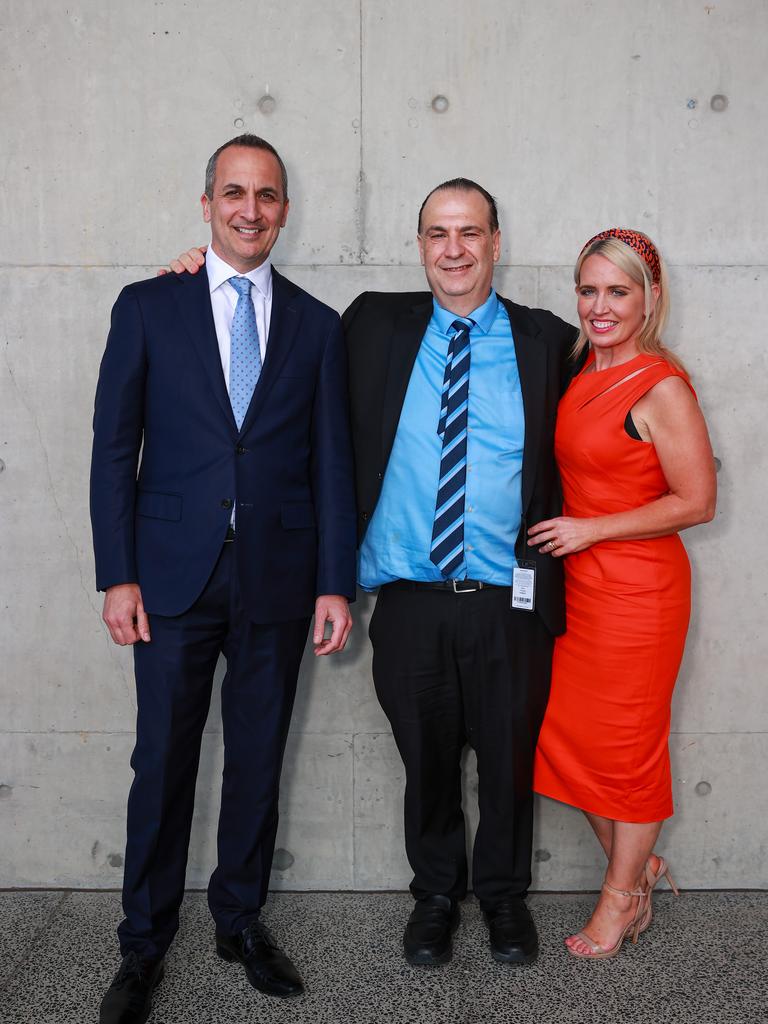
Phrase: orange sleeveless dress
{"type": "Point", "coordinates": [604, 741]}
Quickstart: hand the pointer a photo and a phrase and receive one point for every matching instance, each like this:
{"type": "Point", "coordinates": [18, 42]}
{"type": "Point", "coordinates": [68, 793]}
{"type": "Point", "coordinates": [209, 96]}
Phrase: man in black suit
{"type": "Point", "coordinates": [223, 519]}
{"type": "Point", "coordinates": [460, 656]}
{"type": "Point", "coordinates": [444, 503]}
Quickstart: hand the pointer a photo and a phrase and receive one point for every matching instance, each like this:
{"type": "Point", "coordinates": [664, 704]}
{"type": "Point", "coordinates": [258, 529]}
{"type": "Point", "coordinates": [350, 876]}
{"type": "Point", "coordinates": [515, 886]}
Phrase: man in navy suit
{"type": "Point", "coordinates": [227, 392]}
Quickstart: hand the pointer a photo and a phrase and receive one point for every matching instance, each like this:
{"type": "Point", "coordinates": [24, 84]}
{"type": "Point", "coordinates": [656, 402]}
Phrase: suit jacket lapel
{"type": "Point", "coordinates": [283, 328]}
{"type": "Point", "coordinates": [532, 367]}
{"type": "Point", "coordinates": [193, 299]}
{"type": "Point", "coordinates": [407, 333]}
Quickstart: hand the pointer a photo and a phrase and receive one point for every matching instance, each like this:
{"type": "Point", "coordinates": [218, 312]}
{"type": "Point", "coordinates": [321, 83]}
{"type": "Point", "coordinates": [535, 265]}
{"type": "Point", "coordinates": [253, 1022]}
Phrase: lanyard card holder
{"type": "Point", "coordinates": [524, 581]}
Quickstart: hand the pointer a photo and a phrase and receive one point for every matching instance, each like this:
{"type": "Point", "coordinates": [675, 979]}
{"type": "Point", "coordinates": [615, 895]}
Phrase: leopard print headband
{"type": "Point", "coordinates": [638, 242]}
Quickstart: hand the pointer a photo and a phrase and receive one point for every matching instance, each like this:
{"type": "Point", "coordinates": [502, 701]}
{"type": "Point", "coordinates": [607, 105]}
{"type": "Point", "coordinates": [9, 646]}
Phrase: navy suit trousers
{"type": "Point", "coordinates": [174, 675]}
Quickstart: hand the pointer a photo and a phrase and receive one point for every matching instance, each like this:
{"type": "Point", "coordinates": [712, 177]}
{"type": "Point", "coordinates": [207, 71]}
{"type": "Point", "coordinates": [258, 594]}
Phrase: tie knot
{"type": "Point", "coordinates": [241, 285]}
{"type": "Point", "coordinates": [461, 325]}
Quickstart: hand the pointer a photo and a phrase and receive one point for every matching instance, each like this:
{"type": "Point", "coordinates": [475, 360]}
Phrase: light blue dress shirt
{"type": "Point", "coordinates": [397, 542]}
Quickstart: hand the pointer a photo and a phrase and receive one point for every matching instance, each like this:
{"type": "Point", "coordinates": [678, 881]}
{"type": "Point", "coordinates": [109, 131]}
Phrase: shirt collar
{"type": "Point", "coordinates": [219, 272]}
{"type": "Point", "coordinates": [484, 316]}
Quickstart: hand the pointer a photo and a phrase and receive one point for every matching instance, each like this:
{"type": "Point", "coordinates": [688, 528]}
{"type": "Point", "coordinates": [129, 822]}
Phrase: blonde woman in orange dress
{"type": "Point", "coordinates": [637, 467]}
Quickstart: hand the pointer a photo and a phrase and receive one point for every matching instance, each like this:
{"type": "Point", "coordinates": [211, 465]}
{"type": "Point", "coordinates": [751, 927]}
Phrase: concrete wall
{"type": "Point", "coordinates": [577, 114]}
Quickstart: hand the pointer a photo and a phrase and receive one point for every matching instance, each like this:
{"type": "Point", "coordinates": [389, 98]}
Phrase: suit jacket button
{"type": "Point", "coordinates": [240, 450]}
{"type": "Point", "coordinates": [364, 515]}
{"type": "Point", "coordinates": [226, 503]}
{"type": "Point", "coordinates": [379, 476]}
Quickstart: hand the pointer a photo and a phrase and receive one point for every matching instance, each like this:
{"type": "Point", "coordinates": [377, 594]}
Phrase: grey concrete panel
{"type": "Point", "coordinates": [380, 861]}
{"type": "Point", "coordinates": [63, 799]}
{"type": "Point", "coordinates": [566, 150]}
{"type": "Point", "coordinates": [55, 646]}
{"type": "Point", "coordinates": [335, 694]}
{"type": "Point", "coordinates": [62, 815]}
{"type": "Point", "coordinates": [135, 100]}
{"type": "Point", "coordinates": [314, 840]}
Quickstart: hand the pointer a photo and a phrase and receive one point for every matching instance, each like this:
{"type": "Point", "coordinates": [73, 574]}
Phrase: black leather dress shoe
{"type": "Point", "coordinates": [512, 932]}
{"type": "Point", "coordinates": [427, 938]}
{"type": "Point", "coordinates": [128, 1000]}
{"type": "Point", "coordinates": [266, 965]}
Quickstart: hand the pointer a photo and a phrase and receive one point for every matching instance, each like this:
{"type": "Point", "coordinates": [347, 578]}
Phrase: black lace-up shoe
{"type": "Point", "coordinates": [266, 965]}
{"type": "Point", "coordinates": [427, 938]}
{"type": "Point", "coordinates": [128, 1000]}
{"type": "Point", "coordinates": [512, 932]}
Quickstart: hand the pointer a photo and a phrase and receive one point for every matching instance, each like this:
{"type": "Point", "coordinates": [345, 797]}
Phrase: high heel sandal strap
{"type": "Point", "coordinates": [623, 892]}
{"type": "Point", "coordinates": [654, 877]}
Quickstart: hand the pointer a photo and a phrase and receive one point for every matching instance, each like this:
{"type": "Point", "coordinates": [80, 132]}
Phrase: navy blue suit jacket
{"type": "Point", "coordinates": [162, 406]}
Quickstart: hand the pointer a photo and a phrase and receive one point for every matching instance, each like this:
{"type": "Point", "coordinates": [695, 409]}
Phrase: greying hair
{"type": "Point", "coordinates": [250, 142]}
{"type": "Point", "coordinates": [466, 185]}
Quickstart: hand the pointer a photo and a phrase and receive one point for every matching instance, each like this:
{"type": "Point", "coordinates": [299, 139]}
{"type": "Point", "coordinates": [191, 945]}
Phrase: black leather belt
{"type": "Point", "coordinates": [230, 534]}
{"type": "Point", "coordinates": [449, 586]}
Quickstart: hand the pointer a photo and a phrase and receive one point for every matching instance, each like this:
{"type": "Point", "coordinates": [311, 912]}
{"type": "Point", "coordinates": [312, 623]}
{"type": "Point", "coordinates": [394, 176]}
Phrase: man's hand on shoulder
{"type": "Point", "coordinates": [124, 614]}
{"type": "Point", "coordinates": [188, 262]}
{"type": "Point", "coordinates": [334, 609]}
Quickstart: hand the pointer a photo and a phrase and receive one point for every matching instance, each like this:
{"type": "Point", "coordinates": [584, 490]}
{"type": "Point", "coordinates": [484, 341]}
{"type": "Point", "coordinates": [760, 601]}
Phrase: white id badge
{"type": "Point", "coordinates": [524, 586]}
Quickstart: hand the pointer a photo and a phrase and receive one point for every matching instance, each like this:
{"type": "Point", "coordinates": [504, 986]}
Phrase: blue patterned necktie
{"type": "Point", "coordinates": [447, 548]}
{"type": "Point", "coordinates": [245, 355]}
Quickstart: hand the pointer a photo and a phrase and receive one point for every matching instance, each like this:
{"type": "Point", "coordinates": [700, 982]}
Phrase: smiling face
{"type": "Point", "coordinates": [458, 248]}
{"type": "Point", "coordinates": [247, 207]}
{"type": "Point", "coordinates": [611, 307]}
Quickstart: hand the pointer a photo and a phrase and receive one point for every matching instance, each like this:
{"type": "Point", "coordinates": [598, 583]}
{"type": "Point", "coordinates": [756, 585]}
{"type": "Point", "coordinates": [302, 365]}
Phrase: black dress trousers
{"type": "Point", "coordinates": [451, 669]}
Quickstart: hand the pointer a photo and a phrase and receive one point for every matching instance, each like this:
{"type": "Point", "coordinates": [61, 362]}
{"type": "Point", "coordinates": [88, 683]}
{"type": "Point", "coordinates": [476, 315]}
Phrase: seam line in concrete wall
{"type": "Point", "coordinates": [304, 732]}
{"type": "Point", "coordinates": [361, 209]}
{"type": "Point", "coordinates": [383, 266]}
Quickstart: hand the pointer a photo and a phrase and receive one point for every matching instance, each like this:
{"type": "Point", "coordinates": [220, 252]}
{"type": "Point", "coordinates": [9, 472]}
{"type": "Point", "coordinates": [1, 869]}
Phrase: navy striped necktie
{"type": "Point", "coordinates": [447, 547]}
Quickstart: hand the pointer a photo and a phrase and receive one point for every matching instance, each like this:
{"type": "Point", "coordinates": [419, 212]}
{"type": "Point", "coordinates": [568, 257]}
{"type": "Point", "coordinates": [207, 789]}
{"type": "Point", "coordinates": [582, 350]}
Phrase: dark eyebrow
{"type": "Point", "coordinates": [237, 185]}
{"type": "Point", "coordinates": [464, 227]}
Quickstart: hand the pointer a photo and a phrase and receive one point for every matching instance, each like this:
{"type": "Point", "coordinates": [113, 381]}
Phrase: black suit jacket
{"type": "Point", "coordinates": [384, 332]}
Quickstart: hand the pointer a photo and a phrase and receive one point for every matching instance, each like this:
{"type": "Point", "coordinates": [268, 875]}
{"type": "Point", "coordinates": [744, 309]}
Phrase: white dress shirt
{"type": "Point", "coordinates": [224, 299]}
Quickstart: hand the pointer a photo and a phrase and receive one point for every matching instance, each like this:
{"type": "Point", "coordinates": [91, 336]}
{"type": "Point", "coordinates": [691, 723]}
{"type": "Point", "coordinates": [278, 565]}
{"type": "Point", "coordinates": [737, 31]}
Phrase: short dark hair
{"type": "Point", "coordinates": [250, 142]}
{"type": "Point", "coordinates": [466, 185]}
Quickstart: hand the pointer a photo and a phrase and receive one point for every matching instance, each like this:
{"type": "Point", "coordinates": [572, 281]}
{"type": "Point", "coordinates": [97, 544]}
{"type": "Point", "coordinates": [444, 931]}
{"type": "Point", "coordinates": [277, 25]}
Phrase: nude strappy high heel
{"type": "Point", "coordinates": [652, 879]}
{"type": "Point", "coordinates": [598, 952]}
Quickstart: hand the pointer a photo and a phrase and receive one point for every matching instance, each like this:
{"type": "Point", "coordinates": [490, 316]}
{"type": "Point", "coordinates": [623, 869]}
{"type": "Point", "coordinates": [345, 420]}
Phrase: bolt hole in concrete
{"type": "Point", "coordinates": [282, 860]}
{"type": "Point", "coordinates": [703, 788]}
{"type": "Point", "coordinates": [267, 104]}
{"type": "Point", "coordinates": [115, 860]}
{"type": "Point", "coordinates": [718, 102]}
{"type": "Point", "coordinates": [440, 104]}
{"type": "Point", "coordinates": [6, 792]}
{"type": "Point", "coordinates": [239, 122]}
{"type": "Point", "coordinates": [718, 465]}
{"type": "Point", "coordinates": [541, 856]}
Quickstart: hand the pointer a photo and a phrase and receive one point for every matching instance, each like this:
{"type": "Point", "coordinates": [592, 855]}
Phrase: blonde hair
{"type": "Point", "coordinates": [634, 266]}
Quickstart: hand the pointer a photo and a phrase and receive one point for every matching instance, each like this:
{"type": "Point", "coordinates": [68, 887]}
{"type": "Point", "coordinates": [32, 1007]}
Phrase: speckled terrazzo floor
{"type": "Point", "coordinates": [704, 960]}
